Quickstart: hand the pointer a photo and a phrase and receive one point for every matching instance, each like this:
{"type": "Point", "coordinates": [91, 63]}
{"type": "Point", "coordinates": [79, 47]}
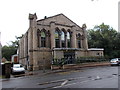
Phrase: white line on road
{"type": "Point", "coordinates": [61, 80]}
{"type": "Point", "coordinates": [71, 84]}
{"type": "Point", "coordinates": [97, 78]}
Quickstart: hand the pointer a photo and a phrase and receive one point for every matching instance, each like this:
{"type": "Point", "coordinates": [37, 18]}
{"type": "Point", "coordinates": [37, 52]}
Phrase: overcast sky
{"type": "Point", "coordinates": [14, 14]}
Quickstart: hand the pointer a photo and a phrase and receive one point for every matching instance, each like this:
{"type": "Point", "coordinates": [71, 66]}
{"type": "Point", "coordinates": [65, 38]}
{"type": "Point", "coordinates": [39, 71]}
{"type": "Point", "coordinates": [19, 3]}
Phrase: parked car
{"type": "Point", "coordinates": [17, 68]}
{"type": "Point", "coordinates": [115, 61]}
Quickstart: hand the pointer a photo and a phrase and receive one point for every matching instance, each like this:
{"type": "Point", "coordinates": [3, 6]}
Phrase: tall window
{"type": "Point", "coordinates": [43, 39]}
{"type": "Point", "coordinates": [63, 38]}
{"type": "Point", "coordinates": [79, 40]}
{"type": "Point", "coordinates": [57, 40]}
{"type": "Point", "coordinates": [68, 39]}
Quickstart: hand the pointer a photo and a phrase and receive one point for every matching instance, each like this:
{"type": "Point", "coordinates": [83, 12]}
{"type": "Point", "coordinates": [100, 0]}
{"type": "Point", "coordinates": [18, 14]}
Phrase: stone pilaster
{"type": "Point", "coordinates": [34, 30]}
{"type": "Point", "coordinates": [73, 37]}
{"type": "Point", "coordinates": [66, 41]}
{"type": "Point", "coordinates": [60, 41]}
{"type": "Point", "coordinates": [33, 23]}
{"type": "Point", "coordinates": [52, 32]}
{"type": "Point", "coordinates": [30, 48]}
{"type": "Point", "coordinates": [47, 40]}
{"type": "Point", "coordinates": [85, 44]}
{"type": "Point", "coordinates": [22, 48]}
{"type": "Point", "coordinates": [81, 41]}
{"type": "Point", "coordinates": [25, 49]}
{"type": "Point", "coordinates": [19, 50]}
{"type": "Point", "coordinates": [30, 40]}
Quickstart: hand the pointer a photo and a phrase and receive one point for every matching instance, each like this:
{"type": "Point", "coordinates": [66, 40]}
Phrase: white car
{"type": "Point", "coordinates": [18, 68]}
{"type": "Point", "coordinates": [115, 61]}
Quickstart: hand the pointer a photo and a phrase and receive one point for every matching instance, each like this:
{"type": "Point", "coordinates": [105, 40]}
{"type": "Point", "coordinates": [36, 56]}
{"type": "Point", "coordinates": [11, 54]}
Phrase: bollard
{"type": "Point", "coordinates": [7, 70]}
{"type": "Point", "coordinates": [3, 69]}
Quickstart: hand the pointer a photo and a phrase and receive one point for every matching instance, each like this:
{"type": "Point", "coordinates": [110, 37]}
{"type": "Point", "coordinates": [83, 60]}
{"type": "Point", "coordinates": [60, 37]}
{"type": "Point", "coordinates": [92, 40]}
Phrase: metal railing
{"type": "Point", "coordinates": [63, 61]}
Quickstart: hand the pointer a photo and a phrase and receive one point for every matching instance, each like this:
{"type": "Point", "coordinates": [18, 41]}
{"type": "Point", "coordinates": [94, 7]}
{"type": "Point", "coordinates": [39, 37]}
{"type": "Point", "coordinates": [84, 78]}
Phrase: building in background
{"type": "Point", "coordinates": [119, 16]}
{"type": "Point", "coordinates": [51, 38]}
{"type": "Point", "coordinates": [0, 48]}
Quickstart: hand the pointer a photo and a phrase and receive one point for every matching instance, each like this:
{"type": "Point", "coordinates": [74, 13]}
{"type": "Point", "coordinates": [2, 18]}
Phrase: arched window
{"type": "Point", "coordinates": [43, 39]}
{"type": "Point", "coordinates": [63, 38]}
{"type": "Point", "coordinates": [79, 40]}
{"type": "Point", "coordinates": [57, 39]}
{"type": "Point", "coordinates": [68, 39]}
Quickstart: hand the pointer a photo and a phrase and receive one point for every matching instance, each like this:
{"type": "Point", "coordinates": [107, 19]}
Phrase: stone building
{"type": "Point", "coordinates": [0, 48]}
{"type": "Point", "coordinates": [51, 38]}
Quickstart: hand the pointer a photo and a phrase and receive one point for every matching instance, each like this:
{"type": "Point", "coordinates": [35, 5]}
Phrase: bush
{"type": "Point", "coordinates": [90, 59]}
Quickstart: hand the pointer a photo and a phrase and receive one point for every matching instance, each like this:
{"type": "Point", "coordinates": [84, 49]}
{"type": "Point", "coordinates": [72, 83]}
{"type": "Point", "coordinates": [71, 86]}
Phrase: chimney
{"type": "Point", "coordinates": [45, 17]}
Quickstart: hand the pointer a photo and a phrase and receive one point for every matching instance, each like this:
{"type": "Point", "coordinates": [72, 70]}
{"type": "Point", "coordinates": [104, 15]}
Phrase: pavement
{"type": "Point", "coordinates": [49, 71]}
{"type": "Point", "coordinates": [88, 77]}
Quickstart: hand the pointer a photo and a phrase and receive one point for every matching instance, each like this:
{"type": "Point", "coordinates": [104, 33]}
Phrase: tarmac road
{"type": "Point", "coordinates": [89, 77]}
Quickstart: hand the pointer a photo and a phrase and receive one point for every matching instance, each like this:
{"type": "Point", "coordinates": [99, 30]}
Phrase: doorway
{"type": "Point", "coordinates": [69, 57]}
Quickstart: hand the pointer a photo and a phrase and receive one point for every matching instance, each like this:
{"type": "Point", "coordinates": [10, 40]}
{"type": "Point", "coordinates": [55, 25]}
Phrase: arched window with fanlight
{"type": "Point", "coordinates": [68, 40]}
{"type": "Point", "coordinates": [57, 39]}
{"type": "Point", "coordinates": [43, 39]}
{"type": "Point", "coordinates": [63, 38]}
{"type": "Point", "coordinates": [79, 40]}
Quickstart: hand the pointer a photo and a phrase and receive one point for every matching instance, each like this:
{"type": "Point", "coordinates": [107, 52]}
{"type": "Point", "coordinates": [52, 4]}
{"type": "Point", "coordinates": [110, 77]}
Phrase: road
{"type": "Point", "coordinates": [89, 77]}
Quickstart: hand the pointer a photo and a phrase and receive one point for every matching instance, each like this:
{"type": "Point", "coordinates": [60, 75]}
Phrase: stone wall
{"type": "Point", "coordinates": [0, 52]}
{"type": "Point", "coordinates": [36, 57]}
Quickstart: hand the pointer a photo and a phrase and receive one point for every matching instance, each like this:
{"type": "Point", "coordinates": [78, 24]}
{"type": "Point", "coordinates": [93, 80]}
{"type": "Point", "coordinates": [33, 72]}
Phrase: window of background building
{"type": "Point", "coordinates": [43, 39]}
{"type": "Point", "coordinates": [57, 40]}
{"type": "Point", "coordinates": [68, 39]}
{"type": "Point", "coordinates": [63, 38]}
{"type": "Point", "coordinates": [79, 40]}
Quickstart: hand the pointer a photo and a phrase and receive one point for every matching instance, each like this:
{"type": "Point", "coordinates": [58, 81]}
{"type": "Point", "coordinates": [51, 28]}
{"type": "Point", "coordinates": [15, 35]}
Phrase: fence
{"type": "Point", "coordinates": [79, 60]}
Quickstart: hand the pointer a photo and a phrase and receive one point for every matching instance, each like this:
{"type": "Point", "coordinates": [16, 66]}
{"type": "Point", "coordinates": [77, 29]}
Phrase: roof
{"type": "Point", "coordinates": [61, 14]}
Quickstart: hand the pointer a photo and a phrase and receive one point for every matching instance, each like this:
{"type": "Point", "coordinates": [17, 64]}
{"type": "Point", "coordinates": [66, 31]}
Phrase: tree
{"type": "Point", "coordinates": [11, 49]}
{"type": "Point", "coordinates": [104, 36]}
{"type": "Point", "coordinates": [8, 51]}
{"type": "Point", "coordinates": [16, 42]}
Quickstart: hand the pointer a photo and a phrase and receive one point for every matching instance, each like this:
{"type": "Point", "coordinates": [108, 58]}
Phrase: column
{"type": "Point", "coordinates": [65, 40]}
{"type": "Point", "coordinates": [19, 50]}
{"type": "Point", "coordinates": [22, 49]}
{"type": "Point", "coordinates": [73, 37]}
{"type": "Point", "coordinates": [25, 49]}
{"type": "Point", "coordinates": [35, 43]}
{"type": "Point", "coordinates": [82, 44]}
{"type": "Point", "coordinates": [85, 43]}
{"type": "Point", "coordinates": [70, 39]}
{"type": "Point", "coordinates": [30, 47]}
{"type": "Point", "coordinates": [47, 40]}
{"type": "Point", "coordinates": [34, 29]}
{"type": "Point", "coordinates": [60, 42]}
{"type": "Point", "coordinates": [52, 31]}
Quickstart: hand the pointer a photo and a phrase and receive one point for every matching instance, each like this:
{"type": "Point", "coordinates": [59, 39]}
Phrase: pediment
{"type": "Point", "coordinates": [59, 19]}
